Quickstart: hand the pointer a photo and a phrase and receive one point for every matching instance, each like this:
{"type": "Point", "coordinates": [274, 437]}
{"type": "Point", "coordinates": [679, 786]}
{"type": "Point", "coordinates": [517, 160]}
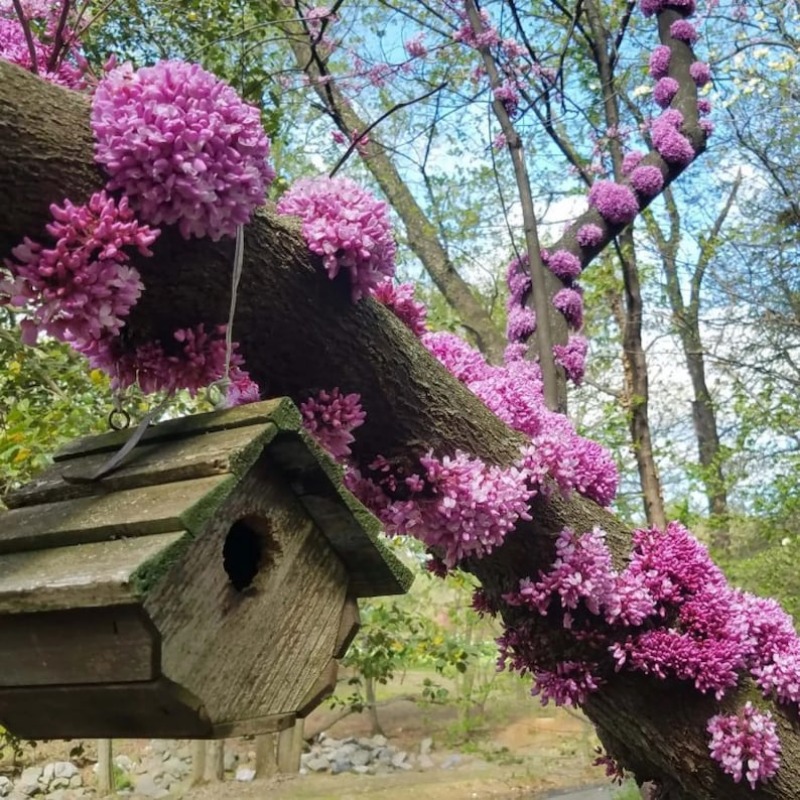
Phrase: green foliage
{"type": "Point", "coordinates": [47, 396]}
{"type": "Point", "coordinates": [628, 791]}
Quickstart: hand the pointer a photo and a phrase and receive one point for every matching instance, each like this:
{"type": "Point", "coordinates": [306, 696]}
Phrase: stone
{"type": "Point", "coordinates": [65, 769]}
{"type": "Point", "coordinates": [59, 783]}
{"type": "Point", "coordinates": [361, 769]}
{"type": "Point", "coordinates": [145, 785]}
{"type": "Point", "coordinates": [317, 764]}
{"type": "Point", "coordinates": [425, 762]}
{"type": "Point", "coordinates": [159, 746]}
{"type": "Point", "coordinates": [76, 781]}
{"type": "Point", "coordinates": [361, 758]}
{"type": "Point", "coordinates": [6, 786]}
{"type": "Point", "coordinates": [398, 759]}
{"type": "Point", "coordinates": [245, 774]}
{"type": "Point", "coordinates": [230, 760]}
{"type": "Point", "coordinates": [176, 767]}
{"type": "Point", "coordinates": [379, 741]}
{"type": "Point", "coordinates": [425, 746]}
{"type": "Point", "coordinates": [451, 761]}
{"type": "Point", "coordinates": [340, 766]}
{"type": "Point", "coordinates": [48, 773]}
{"type": "Point", "coordinates": [30, 775]}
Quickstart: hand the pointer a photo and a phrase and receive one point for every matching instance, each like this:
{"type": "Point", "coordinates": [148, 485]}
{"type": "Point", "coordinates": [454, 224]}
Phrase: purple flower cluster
{"type": "Point", "coordinates": [400, 300]}
{"type": "Point", "coordinates": [569, 301]}
{"type": "Point", "coordinates": [460, 506]}
{"type": "Point", "coordinates": [746, 745]}
{"type": "Point", "coordinates": [563, 264]}
{"type": "Point", "coordinates": [590, 235]}
{"type": "Point", "coordinates": [194, 359]}
{"type": "Point", "coordinates": [348, 227]}
{"type": "Point", "coordinates": [182, 146]}
{"type": "Point", "coordinates": [700, 72]}
{"type": "Point", "coordinates": [572, 357]}
{"type": "Point", "coordinates": [70, 71]}
{"type": "Point", "coordinates": [616, 203]}
{"type": "Point", "coordinates": [568, 685]}
{"type": "Point", "coordinates": [242, 389]}
{"type": "Point", "coordinates": [684, 31]}
{"type": "Point", "coordinates": [330, 417]}
{"type": "Point", "coordinates": [647, 180]}
{"type": "Point", "coordinates": [630, 161]}
{"type": "Point", "coordinates": [659, 62]}
{"type": "Point", "coordinates": [664, 90]}
{"type": "Point", "coordinates": [673, 146]}
{"type": "Point", "coordinates": [80, 289]}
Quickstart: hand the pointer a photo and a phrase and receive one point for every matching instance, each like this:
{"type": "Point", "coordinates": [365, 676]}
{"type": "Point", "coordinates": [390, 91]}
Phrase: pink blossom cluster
{"type": "Point", "coordinates": [71, 67]}
{"type": "Point", "coordinates": [664, 90]}
{"type": "Point", "coordinates": [399, 299]}
{"type": "Point", "coordinates": [331, 417]}
{"type": "Point", "coordinates": [569, 301]}
{"type": "Point", "coordinates": [348, 227]}
{"type": "Point", "coordinates": [192, 360]}
{"type": "Point", "coordinates": [460, 506]}
{"type": "Point", "coordinates": [647, 180]}
{"type": "Point", "coordinates": [241, 390]}
{"type": "Point", "coordinates": [746, 744]}
{"type": "Point", "coordinates": [590, 235]}
{"type": "Point", "coordinates": [514, 393]}
{"type": "Point", "coordinates": [616, 202]}
{"type": "Point", "coordinates": [81, 288]}
{"type": "Point", "coordinates": [183, 147]}
{"type": "Point", "coordinates": [659, 62]}
{"type": "Point", "coordinates": [672, 145]}
{"type": "Point", "coordinates": [572, 357]}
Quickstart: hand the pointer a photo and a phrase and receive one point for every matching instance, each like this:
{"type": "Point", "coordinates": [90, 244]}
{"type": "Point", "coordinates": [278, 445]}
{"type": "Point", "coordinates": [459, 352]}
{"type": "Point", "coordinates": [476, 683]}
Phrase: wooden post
{"type": "Point", "coordinates": [215, 760]}
{"type": "Point", "coordinates": [266, 763]}
{"type": "Point", "coordinates": [198, 761]}
{"type": "Point", "coordinates": [105, 768]}
{"type": "Point", "coordinates": [290, 748]}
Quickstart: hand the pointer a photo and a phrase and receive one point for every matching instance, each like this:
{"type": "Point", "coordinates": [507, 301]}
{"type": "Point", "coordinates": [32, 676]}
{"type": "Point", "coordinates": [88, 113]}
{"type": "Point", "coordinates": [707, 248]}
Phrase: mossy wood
{"type": "Point", "coordinates": [203, 588]}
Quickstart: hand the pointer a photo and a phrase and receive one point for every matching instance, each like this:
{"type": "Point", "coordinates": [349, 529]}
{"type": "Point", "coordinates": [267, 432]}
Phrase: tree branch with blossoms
{"type": "Point", "coordinates": [690, 682]}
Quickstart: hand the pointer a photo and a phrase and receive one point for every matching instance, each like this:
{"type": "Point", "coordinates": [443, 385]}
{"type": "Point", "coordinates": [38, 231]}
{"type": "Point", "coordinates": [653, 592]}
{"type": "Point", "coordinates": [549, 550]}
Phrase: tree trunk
{"type": "Point", "coordinates": [372, 707]}
{"type": "Point", "coordinates": [298, 330]}
{"type": "Point", "coordinates": [420, 231]}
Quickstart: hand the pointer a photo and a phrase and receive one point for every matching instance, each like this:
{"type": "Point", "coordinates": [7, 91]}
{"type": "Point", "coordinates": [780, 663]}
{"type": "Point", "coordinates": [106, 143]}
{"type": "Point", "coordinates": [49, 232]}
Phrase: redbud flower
{"type": "Point", "coordinates": [615, 202]}
{"type": "Point", "coordinates": [183, 146]}
{"type": "Point", "coordinates": [345, 225]}
{"type": "Point", "coordinates": [659, 62]}
{"type": "Point", "coordinates": [331, 417]}
{"type": "Point", "coordinates": [647, 180]}
{"type": "Point", "coordinates": [82, 287]}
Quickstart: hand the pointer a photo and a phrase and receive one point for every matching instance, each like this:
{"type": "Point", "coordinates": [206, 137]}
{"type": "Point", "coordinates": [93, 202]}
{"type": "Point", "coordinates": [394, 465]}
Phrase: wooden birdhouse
{"type": "Point", "coordinates": [204, 588]}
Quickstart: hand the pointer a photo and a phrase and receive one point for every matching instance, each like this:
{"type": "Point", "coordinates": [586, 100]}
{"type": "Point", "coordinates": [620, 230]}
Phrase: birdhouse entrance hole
{"type": "Point", "coordinates": [245, 551]}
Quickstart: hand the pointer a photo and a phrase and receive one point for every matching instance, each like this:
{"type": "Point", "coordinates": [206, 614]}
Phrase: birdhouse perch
{"type": "Point", "coordinates": [205, 588]}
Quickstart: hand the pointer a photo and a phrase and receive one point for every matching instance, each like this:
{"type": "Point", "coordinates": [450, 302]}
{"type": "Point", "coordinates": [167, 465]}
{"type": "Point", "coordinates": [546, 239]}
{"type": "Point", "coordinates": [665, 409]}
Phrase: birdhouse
{"type": "Point", "coordinates": [203, 588]}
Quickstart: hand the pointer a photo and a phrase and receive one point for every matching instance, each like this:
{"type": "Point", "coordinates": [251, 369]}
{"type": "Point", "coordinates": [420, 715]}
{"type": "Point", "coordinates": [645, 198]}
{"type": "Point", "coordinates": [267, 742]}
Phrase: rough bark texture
{"type": "Point", "coordinates": [299, 331]}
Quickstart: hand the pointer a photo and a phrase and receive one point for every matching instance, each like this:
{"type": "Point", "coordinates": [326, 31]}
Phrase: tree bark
{"type": "Point", "coordinates": [299, 331]}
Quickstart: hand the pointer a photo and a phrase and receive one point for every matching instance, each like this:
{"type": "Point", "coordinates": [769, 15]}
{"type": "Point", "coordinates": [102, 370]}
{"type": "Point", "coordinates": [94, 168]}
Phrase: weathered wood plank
{"type": "Point", "coordinates": [85, 646]}
{"type": "Point", "coordinates": [353, 532]}
{"type": "Point", "coordinates": [77, 577]}
{"type": "Point", "coordinates": [151, 709]}
{"type": "Point", "coordinates": [324, 687]}
{"type": "Point", "coordinates": [255, 726]}
{"type": "Point", "coordinates": [158, 462]}
{"type": "Point", "coordinates": [134, 512]}
{"type": "Point", "coordinates": [348, 627]}
{"type": "Point", "coordinates": [281, 411]}
{"type": "Point", "coordinates": [258, 651]}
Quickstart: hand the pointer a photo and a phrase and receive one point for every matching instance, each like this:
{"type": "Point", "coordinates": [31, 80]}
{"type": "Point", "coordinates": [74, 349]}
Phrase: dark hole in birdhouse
{"type": "Point", "coordinates": [242, 554]}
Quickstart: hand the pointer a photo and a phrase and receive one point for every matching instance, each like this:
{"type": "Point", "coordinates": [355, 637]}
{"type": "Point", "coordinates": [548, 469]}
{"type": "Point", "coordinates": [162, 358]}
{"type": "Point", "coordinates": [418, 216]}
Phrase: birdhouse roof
{"type": "Point", "coordinates": [105, 540]}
